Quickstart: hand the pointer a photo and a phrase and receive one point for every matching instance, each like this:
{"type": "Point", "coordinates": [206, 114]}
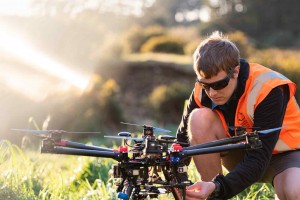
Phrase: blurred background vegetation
{"type": "Point", "coordinates": [88, 65]}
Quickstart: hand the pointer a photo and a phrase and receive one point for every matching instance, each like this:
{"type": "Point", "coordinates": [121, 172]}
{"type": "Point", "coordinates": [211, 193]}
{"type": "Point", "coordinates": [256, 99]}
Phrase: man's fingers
{"type": "Point", "coordinates": [195, 186]}
{"type": "Point", "coordinates": [191, 194]}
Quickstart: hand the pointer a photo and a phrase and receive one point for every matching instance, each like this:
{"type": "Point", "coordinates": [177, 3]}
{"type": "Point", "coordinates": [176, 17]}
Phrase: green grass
{"type": "Point", "coordinates": [28, 175]}
{"type": "Point", "coordinates": [31, 175]}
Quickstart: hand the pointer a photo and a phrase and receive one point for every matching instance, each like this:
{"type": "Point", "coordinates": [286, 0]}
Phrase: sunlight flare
{"type": "Point", "coordinates": [21, 50]}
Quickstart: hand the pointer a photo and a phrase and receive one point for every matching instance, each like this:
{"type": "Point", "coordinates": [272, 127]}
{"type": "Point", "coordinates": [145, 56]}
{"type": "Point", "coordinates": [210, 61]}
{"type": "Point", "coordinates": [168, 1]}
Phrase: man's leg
{"type": "Point", "coordinates": [206, 126]}
{"type": "Point", "coordinates": [287, 184]}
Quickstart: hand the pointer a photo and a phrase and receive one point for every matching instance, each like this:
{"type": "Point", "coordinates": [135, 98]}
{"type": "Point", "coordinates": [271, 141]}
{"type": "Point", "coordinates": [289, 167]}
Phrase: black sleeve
{"type": "Point", "coordinates": [181, 134]}
{"type": "Point", "coordinates": [268, 114]}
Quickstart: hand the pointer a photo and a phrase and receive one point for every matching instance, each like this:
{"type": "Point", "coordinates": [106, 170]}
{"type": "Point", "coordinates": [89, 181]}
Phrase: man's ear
{"type": "Point", "coordinates": [236, 71]}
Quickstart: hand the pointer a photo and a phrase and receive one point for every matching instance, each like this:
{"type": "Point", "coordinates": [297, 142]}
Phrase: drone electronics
{"type": "Point", "coordinates": [152, 165]}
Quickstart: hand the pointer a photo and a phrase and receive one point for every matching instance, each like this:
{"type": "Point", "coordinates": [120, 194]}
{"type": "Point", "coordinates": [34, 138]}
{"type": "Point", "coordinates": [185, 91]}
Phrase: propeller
{"type": "Point", "coordinates": [160, 130]}
{"type": "Point", "coordinates": [45, 132]}
{"type": "Point", "coordinates": [240, 128]}
{"type": "Point", "coordinates": [271, 130]}
{"type": "Point", "coordinates": [125, 136]}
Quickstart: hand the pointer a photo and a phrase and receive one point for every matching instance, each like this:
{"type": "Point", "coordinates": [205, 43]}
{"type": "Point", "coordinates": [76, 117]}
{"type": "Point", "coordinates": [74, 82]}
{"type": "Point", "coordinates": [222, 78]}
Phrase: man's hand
{"type": "Point", "coordinates": [199, 190]}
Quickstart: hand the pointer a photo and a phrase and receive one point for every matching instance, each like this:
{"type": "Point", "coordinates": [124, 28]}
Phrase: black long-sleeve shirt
{"type": "Point", "coordinates": [268, 114]}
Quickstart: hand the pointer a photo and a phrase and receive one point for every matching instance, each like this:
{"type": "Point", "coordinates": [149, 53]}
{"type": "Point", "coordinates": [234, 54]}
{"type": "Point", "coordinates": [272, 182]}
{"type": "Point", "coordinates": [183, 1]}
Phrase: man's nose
{"type": "Point", "coordinates": [212, 92]}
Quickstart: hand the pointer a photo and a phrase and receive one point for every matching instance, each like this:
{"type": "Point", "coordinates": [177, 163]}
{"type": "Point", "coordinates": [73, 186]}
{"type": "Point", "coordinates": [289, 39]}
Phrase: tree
{"type": "Point", "coordinates": [163, 12]}
{"type": "Point", "coordinates": [269, 22]}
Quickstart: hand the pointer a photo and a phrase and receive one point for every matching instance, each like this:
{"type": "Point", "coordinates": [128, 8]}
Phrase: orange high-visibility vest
{"type": "Point", "coordinates": [260, 82]}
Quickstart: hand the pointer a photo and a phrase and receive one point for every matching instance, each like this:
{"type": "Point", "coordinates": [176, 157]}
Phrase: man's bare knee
{"type": "Point", "coordinates": [287, 184]}
{"type": "Point", "coordinates": [204, 125]}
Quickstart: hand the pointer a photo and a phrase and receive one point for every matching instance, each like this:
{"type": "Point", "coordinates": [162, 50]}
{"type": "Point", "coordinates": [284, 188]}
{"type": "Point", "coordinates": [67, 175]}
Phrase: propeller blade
{"type": "Point", "coordinates": [131, 124]}
{"type": "Point", "coordinates": [49, 131]}
{"type": "Point", "coordinates": [154, 128]}
{"type": "Point", "coordinates": [161, 130]}
{"type": "Point", "coordinates": [82, 132]}
{"type": "Point", "coordinates": [271, 130]}
{"type": "Point", "coordinates": [233, 128]}
{"type": "Point", "coordinates": [31, 131]}
{"type": "Point", "coordinates": [122, 137]}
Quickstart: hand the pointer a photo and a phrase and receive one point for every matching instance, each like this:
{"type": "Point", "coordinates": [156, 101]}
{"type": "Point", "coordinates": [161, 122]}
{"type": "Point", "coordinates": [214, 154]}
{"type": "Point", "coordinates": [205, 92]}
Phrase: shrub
{"type": "Point", "coordinates": [137, 36]}
{"type": "Point", "coordinates": [163, 44]}
{"type": "Point", "coordinates": [280, 39]}
{"type": "Point", "coordinates": [242, 42]}
{"type": "Point", "coordinates": [109, 103]}
{"type": "Point", "coordinates": [98, 109]}
{"type": "Point", "coordinates": [190, 47]}
{"type": "Point", "coordinates": [168, 101]}
{"type": "Point", "coordinates": [239, 38]}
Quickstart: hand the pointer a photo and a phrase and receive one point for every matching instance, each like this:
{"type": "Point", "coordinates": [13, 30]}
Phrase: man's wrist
{"type": "Point", "coordinates": [219, 192]}
{"type": "Point", "coordinates": [217, 189]}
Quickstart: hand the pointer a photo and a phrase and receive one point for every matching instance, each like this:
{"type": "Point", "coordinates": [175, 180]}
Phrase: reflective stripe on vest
{"type": "Point", "coordinates": [257, 87]}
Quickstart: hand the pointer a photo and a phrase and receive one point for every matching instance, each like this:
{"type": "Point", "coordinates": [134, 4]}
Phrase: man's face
{"type": "Point", "coordinates": [220, 88]}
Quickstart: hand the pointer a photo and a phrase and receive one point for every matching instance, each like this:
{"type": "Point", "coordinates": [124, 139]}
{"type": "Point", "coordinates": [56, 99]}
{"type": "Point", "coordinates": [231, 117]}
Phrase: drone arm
{"type": "Point", "coordinates": [214, 149]}
{"type": "Point", "coordinates": [251, 142]}
{"type": "Point", "coordinates": [83, 152]}
{"type": "Point", "coordinates": [217, 142]}
{"type": "Point", "coordinates": [65, 143]}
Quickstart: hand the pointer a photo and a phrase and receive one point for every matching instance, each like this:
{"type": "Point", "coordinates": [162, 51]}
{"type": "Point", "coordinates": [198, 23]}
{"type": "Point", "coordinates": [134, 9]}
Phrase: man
{"type": "Point", "coordinates": [232, 92]}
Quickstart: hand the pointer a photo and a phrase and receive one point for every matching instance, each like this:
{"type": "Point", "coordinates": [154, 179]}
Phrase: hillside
{"type": "Point", "coordinates": [137, 79]}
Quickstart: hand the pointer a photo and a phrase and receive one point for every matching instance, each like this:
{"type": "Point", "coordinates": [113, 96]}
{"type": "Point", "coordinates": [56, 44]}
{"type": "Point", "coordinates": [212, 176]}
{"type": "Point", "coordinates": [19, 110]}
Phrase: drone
{"type": "Point", "coordinates": [153, 165]}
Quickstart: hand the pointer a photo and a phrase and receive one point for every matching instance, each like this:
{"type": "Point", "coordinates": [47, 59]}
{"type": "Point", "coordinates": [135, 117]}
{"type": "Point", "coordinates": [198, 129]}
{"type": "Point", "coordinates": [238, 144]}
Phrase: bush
{"type": "Point", "coordinates": [163, 44]}
{"type": "Point", "coordinates": [242, 42]}
{"type": "Point", "coordinates": [168, 102]}
{"type": "Point", "coordinates": [281, 39]}
{"type": "Point", "coordinates": [239, 38]}
{"type": "Point", "coordinates": [98, 109]}
{"type": "Point", "coordinates": [190, 47]}
{"type": "Point", "coordinates": [110, 107]}
{"type": "Point", "coordinates": [137, 36]}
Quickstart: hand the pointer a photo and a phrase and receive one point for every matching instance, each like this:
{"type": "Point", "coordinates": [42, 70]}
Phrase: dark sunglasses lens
{"type": "Point", "coordinates": [204, 86]}
{"type": "Point", "coordinates": [216, 85]}
{"type": "Point", "coordinates": [220, 85]}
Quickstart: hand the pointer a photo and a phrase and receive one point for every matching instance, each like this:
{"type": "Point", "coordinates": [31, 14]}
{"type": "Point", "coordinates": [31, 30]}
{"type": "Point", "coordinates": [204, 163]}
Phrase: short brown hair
{"type": "Point", "coordinates": [214, 54]}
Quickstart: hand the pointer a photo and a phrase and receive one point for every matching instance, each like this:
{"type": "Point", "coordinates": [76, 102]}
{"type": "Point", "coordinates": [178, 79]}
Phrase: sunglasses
{"type": "Point", "coordinates": [218, 85]}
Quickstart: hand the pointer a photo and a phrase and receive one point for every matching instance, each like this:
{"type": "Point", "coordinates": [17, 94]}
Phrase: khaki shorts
{"type": "Point", "coordinates": [278, 163]}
